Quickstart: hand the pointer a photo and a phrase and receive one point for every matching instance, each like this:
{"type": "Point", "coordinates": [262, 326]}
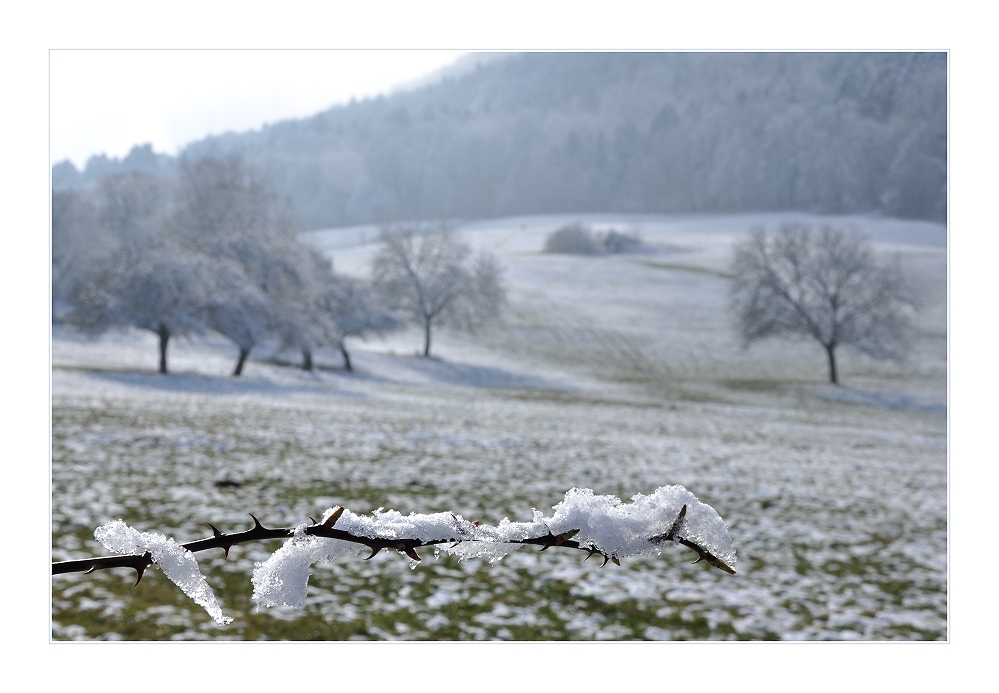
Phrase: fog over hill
{"type": "Point", "coordinates": [542, 133]}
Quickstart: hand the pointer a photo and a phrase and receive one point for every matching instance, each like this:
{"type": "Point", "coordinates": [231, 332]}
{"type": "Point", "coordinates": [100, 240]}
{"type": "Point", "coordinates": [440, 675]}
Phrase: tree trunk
{"type": "Point", "coordinates": [164, 334]}
{"type": "Point", "coordinates": [243, 353]}
{"type": "Point", "coordinates": [831, 353]}
{"type": "Point", "coordinates": [306, 360]}
{"type": "Point", "coordinates": [346, 358]}
{"type": "Point", "coordinates": [426, 339]}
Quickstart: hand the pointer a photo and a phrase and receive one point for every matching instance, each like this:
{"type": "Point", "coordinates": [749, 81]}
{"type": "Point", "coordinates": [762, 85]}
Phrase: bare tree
{"type": "Point", "coordinates": [432, 278]}
{"type": "Point", "coordinates": [827, 286]}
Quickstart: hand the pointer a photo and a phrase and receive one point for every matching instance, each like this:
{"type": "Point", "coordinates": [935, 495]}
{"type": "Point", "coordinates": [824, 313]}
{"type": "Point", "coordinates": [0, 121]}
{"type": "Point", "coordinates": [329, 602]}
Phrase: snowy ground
{"type": "Point", "coordinates": [616, 373]}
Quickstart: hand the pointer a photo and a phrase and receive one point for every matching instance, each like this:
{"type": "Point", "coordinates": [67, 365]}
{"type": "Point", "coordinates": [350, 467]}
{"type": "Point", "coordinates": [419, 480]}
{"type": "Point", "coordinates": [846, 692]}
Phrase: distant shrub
{"type": "Point", "coordinates": [616, 242]}
{"type": "Point", "coordinates": [573, 239]}
{"type": "Point", "coordinates": [579, 239]}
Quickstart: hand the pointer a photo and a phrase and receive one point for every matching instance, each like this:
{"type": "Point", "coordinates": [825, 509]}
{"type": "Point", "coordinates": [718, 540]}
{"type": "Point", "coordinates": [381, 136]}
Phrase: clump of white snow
{"type": "Point", "coordinates": [394, 525]}
{"type": "Point", "coordinates": [176, 562]}
{"type": "Point", "coordinates": [623, 529]}
{"type": "Point", "coordinates": [282, 580]}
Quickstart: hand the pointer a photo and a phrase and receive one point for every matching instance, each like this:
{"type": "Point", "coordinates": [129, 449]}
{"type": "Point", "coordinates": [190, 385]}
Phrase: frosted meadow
{"type": "Point", "coordinates": [618, 373]}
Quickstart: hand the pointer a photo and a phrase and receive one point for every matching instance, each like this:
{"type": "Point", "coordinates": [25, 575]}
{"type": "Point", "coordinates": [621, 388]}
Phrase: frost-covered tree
{"type": "Point", "coordinates": [827, 286]}
{"type": "Point", "coordinates": [77, 241]}
{"type": "Point", "coordinates": [298, 281]}
{"type": "Point", "coordinates": [355, 313]}
{"type": "Point", "coordinates": [432, 278]}
{"type": "Point", "coordinates": [226, 212]}
{"type": "Point", "coordinates": [132, 206]}
{"type": "Point", "coordinates": [160, 288]}
{"type": "Point", "coordinates": [236, 308]}
{"type": "Point", "coordinates": [88, 225]}
{"type": "Point", "coordinates": [223, 199]}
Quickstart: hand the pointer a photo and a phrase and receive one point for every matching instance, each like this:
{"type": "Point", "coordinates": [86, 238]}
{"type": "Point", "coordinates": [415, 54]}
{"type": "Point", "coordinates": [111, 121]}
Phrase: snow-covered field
{"type": "Point", "coordinates": [616, 373]}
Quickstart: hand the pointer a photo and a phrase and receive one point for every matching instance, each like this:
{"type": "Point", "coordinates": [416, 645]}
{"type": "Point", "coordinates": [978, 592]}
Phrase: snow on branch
{"type": "Point", "coordinates": [582, 520]}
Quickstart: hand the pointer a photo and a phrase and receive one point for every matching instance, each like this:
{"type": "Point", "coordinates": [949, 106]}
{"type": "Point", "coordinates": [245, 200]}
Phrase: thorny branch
{"type": "Point", "coordinates": [326, 529]}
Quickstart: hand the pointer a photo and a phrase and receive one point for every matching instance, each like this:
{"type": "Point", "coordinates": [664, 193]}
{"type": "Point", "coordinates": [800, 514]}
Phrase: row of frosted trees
{"type": "Point", "coordinates": [214, 252]}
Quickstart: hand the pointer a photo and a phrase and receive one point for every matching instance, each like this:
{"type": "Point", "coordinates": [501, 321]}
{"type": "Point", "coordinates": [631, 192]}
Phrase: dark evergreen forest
{"type": "Point", "coordinates": [609, 132]}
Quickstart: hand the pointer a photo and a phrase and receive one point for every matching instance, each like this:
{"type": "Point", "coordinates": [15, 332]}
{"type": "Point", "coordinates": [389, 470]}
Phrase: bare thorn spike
{"type": "Point", "coordinates": [313, 519]}
{"type": "Point", "coordinates": [615, 561]}
{"type": "Point", "coordinates": [699, 559]}
{"type": "Point", "coordinates": [225, 553]}
{"type": "Point", "coordinates": [138, 575]}
{"type": "Point", "coordinates": [215, 530]}
{"type": "Point", "coordinates": [374, 550]}
{"type": "Point", "coordinates": [331, 520]}
{"type": "Point", "coordinates": [256, 522]}
{"type": "Point", "coordinates": [606, 558]}
{"type": "Point", "coordinates": [92, 569]}
{"type": "Point", "coordinates": [543, 548]}
{"type": "Point", "coordinates": [412, 554]}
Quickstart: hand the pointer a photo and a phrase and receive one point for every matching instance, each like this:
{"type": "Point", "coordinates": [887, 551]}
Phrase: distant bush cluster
{"type": "Point", "coordinates": [217, 251]}
{"type": "Point", "coordinates": [579, 239]}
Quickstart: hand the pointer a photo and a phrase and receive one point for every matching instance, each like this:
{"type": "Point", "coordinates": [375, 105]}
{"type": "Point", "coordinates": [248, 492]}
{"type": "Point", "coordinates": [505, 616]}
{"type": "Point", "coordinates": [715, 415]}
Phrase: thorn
{"type": "Point", "coordinates": [683, 511]}
{"type": "Point", "coordinates": [312, 518]}
{"type": "Point", "coordinates": [544, 547]}
{"type": "Point", "coordinates": [374, 550]}
{"type": "Point", "coordinates": [92, 569]}
{"type": "Point", "coordinates": [606, 558]}
{"type": "Point", "coordinates": [140, 570]}
{"type": "Point", "coordinates": [412, 553]}
{"type": "Point", "coordinates": [216, 534]}
{"type": "Point", "coordinates": [699, 559]}
{"type": "Point", "coordinates": [591, 552]}
{"type": "Point", "coordinates": [331, 520]}
{"type": "Point", "coordinates": [256, 522]}
{"type": "Point", "coordinates": [615, 561]}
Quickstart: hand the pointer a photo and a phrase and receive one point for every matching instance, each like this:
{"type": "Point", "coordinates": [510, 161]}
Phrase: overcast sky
{"type": "Point", "coordinates": [106, 101]}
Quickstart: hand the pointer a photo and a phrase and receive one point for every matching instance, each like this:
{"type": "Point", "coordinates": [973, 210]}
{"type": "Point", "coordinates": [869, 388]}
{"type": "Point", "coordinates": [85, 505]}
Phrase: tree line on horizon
{"type": "Point", "coordinates": [541, 133]}
{"type": "Point", "coordinates": [216, 250]}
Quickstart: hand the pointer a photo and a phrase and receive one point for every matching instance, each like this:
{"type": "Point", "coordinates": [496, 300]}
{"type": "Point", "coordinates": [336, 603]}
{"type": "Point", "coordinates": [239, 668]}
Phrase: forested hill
{"type": "Point", "coordinates": [615, 132]}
